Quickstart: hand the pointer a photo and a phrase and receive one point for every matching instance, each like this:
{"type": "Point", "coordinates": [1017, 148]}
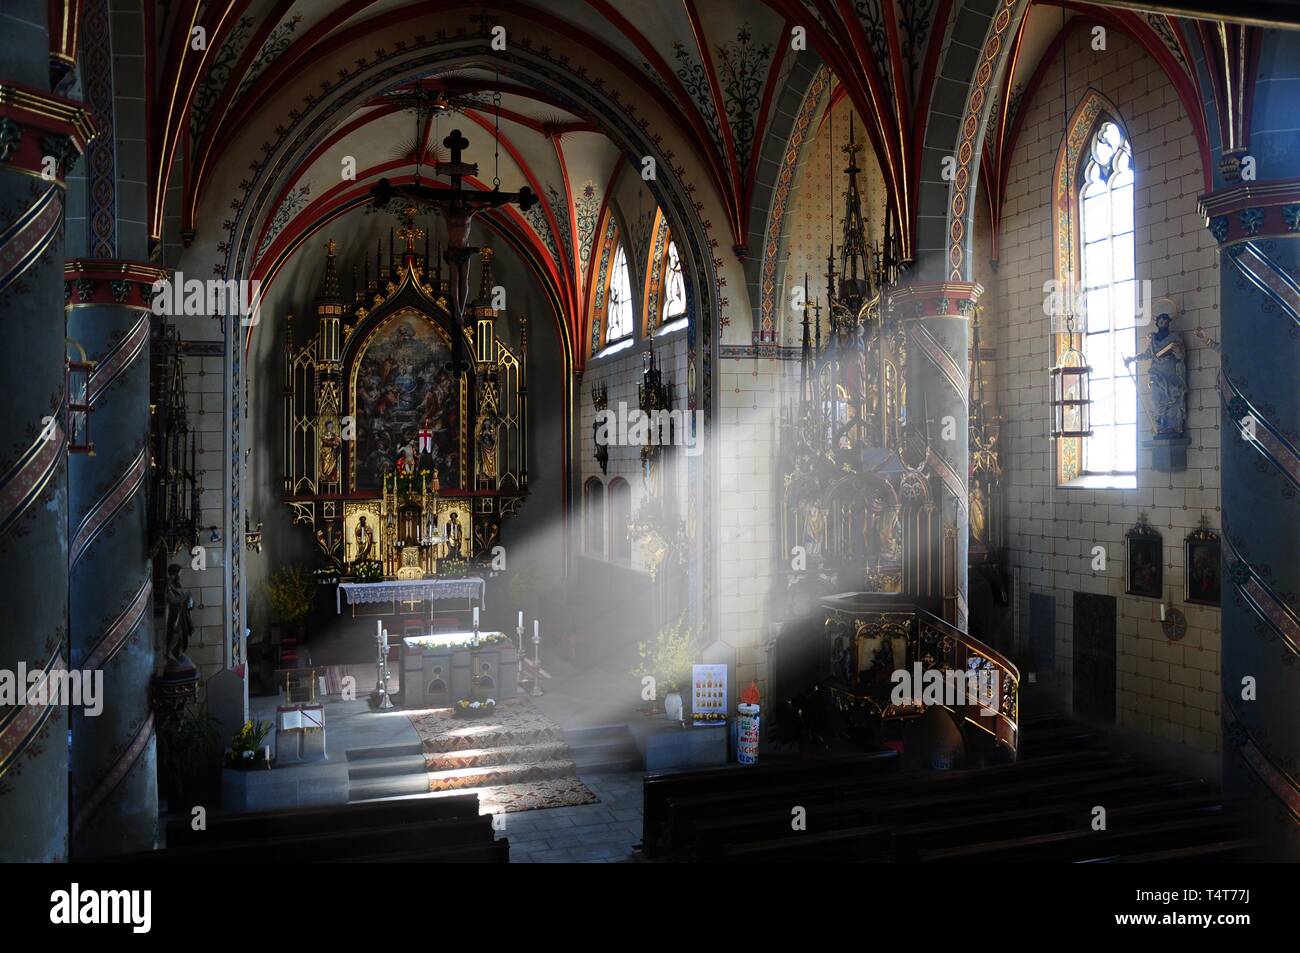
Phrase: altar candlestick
{"type": "Point", "coordinates": [537, 661]}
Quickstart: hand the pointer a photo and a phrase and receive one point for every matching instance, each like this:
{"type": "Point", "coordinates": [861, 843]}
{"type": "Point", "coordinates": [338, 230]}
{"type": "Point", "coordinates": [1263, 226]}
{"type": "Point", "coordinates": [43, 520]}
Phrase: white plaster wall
{"type": "Point", "coordinates": [1168, 690]}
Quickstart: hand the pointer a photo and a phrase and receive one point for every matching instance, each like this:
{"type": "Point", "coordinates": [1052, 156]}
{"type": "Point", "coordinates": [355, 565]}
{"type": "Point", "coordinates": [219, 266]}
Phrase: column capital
{"type": "Point", "coordinates": [936, 299]}
{"type": "Point", "coordinates": [35, 124]}
{"type": "Point", "coordinates": [107, 281]}
{"type": "Point", "coordinates": [1253, 210]}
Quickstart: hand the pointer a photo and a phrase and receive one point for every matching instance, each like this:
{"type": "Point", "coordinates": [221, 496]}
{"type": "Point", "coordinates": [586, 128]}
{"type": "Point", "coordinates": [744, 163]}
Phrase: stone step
{"type": "Point", "coordinates": [386, 767]}
{"type": "Point", "coordinates": [425, 782]}
{"type": "Point", "coordinates": [458, 778]}
{"type": "Point", "coordinates": [404, 785]}
{"type": "Point", "coordinates": [383, 752]}
{"type": "Point", "coordinates": [596, 734]}
{"type": "Point", "coordinates": [490, 757]}
{"type": "Point", "coordinates": [493, 737]}
{"type": "Point", "coordinates": [597, 756]}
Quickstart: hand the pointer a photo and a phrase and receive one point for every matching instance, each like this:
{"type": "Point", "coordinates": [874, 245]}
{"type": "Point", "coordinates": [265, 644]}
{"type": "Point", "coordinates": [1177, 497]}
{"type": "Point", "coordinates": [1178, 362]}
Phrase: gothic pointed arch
{"type": "Point", "coordinates": [1089, 114]}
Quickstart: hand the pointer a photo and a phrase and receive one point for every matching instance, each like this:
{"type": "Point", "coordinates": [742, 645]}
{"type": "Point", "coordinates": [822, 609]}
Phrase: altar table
{"type": "Point", "coordinates": [409, 590]}
{"type": "Point", "coordinates": [438, 670]}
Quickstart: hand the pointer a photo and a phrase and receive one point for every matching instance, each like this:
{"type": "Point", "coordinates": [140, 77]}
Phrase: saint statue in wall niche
{"type": "Point", "coordinates": [1167, 377]}
{"type": "Point", "coordinates": [454, 534]}
{"type": "Point", "coordinates": [365, 540]}
{"type": "Point", "coordinates": [179, 624]}
{"type": "Point", "coordinates": [978, 514]}
{"type": "Point", "coordinates": [327, 470]}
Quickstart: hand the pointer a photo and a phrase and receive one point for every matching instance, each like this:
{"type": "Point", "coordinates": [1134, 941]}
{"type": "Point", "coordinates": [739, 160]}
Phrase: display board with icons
{"type": "Point", "coordinates": [708, 694]}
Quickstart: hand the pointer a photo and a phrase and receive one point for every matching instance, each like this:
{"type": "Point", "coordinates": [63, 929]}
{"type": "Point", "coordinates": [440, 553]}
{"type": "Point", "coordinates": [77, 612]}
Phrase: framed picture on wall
{"type": "Point", "coordinates": [1144, 560]}
{"type": "Point", "coordinates": [1202, 566]}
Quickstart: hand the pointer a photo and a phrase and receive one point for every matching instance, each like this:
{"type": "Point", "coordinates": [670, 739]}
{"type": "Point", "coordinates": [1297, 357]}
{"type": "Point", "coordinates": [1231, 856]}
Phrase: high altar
{"type": "Point", "coordinates": [402, 467]}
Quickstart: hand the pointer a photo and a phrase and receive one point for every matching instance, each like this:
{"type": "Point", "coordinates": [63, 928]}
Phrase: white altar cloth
{"type": "Point", "coordinates": [409, 590]}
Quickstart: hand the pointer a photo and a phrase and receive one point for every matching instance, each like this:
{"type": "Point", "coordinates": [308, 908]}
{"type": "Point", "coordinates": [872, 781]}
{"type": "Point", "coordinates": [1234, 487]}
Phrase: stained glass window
{"type": "Point", "coordinates": [674, 287]}
{"type": "Point", "coordinates": [1110, 302]}
{"type": "Point", "coordinates": [618, 307]}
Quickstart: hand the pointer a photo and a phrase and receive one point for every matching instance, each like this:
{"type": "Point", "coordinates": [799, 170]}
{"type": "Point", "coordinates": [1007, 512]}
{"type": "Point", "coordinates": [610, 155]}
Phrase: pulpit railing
{"type": "Point", "coordinates": [861, 620]}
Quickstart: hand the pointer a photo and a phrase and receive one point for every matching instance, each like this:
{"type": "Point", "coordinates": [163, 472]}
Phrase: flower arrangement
{"type": "Point", "coordinates": [485, 638]}
{"type": "Point", "coordinates": [246, 751]}
{"type": "Point", "coordinates": [669, 656]}
{"type": "Point", "coordinates": [453, 567]}
{"type": "Point", "coordinates": [291, 591]}
{"type": "Point", "coordinates": [469, 708]}
{"type": "Point", "coordinates": [368, 570]}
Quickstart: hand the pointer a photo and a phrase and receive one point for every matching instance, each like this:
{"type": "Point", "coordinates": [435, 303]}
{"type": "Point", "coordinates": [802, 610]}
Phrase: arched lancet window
{"type": "Point", "coordinates": [1093, 198]}
{"type": "Point", "coordinates": [664, 304]}
{"type": "Point", "coordinates": [620, 514]}
{"type": "Point", "coordinates": [593, 518]}
{"type": "Point", "coordinates": [618, 304]}
{"type": "Point", "coordinates": [674, 288]}
{"type": "Point", "coordinates": [1107, 260]}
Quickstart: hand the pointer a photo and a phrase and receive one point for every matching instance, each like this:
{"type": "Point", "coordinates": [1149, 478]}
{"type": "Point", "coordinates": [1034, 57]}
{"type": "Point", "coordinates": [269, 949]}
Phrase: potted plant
{"type": "Point", "coordinates": [246, 752]}
{"type": "Point", "coordinates": [452, 567]}
{"type": "Point", "coordinates": [291, 591]}
{"type": "Point", "coordinates": [189, 753]}
{"type": "Point", "coordinates": [667, 659]}
{"type": "Point", "coordinates": [367, 570]}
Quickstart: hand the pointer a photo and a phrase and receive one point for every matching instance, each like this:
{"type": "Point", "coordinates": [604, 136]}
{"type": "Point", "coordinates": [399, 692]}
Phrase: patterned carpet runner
{"type": "Point", "coordinates": [515, 759]}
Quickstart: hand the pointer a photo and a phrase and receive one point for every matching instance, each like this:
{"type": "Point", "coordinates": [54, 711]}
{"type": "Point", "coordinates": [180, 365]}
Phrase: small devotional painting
{"type": "Point", "coordinates": [1144, 566]}
{"type": "Point", "coordinates": [403, 391]}
{"type": "Point", "coordinates": [1201, 561]}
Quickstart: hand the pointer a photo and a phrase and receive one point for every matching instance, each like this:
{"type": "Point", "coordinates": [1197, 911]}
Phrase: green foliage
{"type": "Point", "coordinates": [187, 746]}
{"type": "Point", "coordinates": [370, 570]}
{"type": "Point", "coordinates": [246, 747]}
{"type": "Point", "coordinates": [291, 591]}
{"type": "Point", "coordinates": [453, 567]}
{"type": "Point", "coordinates": [668, 657]}
{"type": "Point", "coordinates": [250, 737]}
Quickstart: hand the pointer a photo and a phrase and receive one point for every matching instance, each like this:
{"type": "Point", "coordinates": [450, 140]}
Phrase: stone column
{"type": "Point", "coordinates": [1254, 214]}
{"type": "Point", "coordinates": [937, 318]}
{"type": "Point", "coordinates": [114, 794]}
{"type": "Point", "coordinates": [1260, 469]}
{"type": "Point", "coordinates": [40, 136]}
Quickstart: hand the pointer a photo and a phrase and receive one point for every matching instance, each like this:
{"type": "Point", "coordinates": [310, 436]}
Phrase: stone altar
{"type": "Point", "coordinates": [438, 670]}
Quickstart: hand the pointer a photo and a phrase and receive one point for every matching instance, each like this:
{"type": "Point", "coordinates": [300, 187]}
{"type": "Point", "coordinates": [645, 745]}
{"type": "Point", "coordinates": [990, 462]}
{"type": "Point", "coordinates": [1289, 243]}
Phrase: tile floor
{"type": "Point", "coordinates": [588, 833]}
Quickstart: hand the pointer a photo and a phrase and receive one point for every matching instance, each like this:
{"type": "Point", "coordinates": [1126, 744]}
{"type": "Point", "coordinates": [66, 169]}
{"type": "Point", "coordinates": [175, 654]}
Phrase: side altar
{"type": "Point", "coordinates": [403, 462]}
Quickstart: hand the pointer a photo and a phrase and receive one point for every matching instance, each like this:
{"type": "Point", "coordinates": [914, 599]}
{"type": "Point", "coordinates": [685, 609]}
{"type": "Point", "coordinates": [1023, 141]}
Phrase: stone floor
{"type": "Point", "coordinates": [601, 833]}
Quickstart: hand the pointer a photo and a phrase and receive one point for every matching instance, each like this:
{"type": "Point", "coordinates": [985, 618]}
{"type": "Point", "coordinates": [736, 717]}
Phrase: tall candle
{"type": "Point", "coordinates": [534, 628]}
{"type": "Point", "coordinates": [476, 617]}
{"type": "Point", "coordinates": [521, 618]}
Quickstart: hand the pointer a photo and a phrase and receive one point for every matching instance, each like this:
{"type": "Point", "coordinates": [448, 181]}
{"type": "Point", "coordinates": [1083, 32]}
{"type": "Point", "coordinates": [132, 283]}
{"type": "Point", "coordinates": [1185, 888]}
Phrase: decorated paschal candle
{"type": "Point", "coordinates": [748, 725]}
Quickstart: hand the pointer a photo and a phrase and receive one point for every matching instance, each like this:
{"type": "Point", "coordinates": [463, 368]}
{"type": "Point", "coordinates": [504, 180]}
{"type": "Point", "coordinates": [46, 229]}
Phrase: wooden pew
{"type": "Point", "coordinates": [739, 780]}
{"type": "Point", "coordinates": [423, 839]}
{"type": "Point", "coordinates": [854, 844]}
{"type": "Point", "coordinates": [685, 813]}
{"type": "Point", "coordinates": [1086, 844]}
{"type": "Point", "coordinates": [267, 824]}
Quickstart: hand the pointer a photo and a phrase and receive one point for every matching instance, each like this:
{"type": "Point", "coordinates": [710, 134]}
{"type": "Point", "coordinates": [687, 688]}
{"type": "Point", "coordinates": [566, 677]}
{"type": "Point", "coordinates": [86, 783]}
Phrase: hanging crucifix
{"type": "Point", "coordinates": [458, 206]}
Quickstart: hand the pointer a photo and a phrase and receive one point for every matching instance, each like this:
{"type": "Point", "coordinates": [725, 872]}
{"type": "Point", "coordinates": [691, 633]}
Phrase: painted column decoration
{"type": "Point", "coordinates": [1254, 214]}
{"type": "Point", "coordinates": [110, 590]}
{"type": "Point", "coordinates": [1260, 466]}
{"type": "Point", "coordinates": [937, 317]}
{"type": "Point", "coordinates": [41, 135]}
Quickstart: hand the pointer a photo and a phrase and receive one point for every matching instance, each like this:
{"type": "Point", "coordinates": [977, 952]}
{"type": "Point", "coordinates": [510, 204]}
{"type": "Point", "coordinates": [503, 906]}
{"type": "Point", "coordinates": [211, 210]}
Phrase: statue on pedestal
{"type": "Point", "coordinates": [365, 538]}
{"type": "Point", "coordinates": [179, 624]}
{"type": "Point", "coordinates": [1167, 377]}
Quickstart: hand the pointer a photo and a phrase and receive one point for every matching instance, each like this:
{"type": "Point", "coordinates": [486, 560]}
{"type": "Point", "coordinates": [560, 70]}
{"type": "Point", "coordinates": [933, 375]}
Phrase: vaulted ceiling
{"type": "Point", "coordinates": [703, 79]}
